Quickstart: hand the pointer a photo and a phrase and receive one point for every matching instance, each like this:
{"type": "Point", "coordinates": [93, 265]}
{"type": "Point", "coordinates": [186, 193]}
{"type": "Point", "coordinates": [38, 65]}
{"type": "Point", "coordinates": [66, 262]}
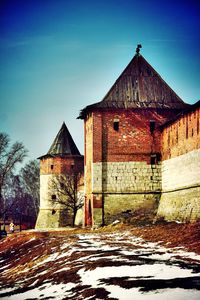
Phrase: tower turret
{"type": "Point", "coordinates": [62, 158]}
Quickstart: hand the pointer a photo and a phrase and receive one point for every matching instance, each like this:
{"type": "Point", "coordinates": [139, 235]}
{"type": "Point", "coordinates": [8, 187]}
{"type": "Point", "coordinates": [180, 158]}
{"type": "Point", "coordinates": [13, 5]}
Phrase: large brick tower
{"type": "Point", "coordinates": [63, 157]}
{"type": "Point", "coordinates": [122, 143]}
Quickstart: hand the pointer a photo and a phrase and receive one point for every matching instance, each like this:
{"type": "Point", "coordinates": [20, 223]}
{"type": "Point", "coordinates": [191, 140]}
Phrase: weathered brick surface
{"type": "Point", "coordinates": [119, 161]}
{"type": "Point", "coordinates": [181, 136]}
{"type": "Point", "coordinates": [180, 199]}
{"type": "Point", "coordinates": [133, 141]}
{"type": "Point", "coordinates": [59, 165]}
{"type": "Point", "coordinates": [119, 168]}
{"type": "Point", "coordinates": [88, 153]}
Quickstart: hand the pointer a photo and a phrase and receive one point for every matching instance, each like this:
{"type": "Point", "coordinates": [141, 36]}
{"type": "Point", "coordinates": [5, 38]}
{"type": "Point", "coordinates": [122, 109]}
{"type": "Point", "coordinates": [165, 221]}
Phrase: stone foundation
{"type": "Point", "coordinates": [181, 205]}
{"type": "Point", "coordinates": [123, 186]}
{"type": "Point", "coordinates": [126, 177]}
{"type": "Point", "coordinates": [49, 218]}
{"type": "Point", "coordinates": [116, 205]}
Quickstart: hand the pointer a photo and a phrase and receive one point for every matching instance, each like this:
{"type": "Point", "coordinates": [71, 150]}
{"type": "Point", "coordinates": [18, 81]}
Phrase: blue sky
{"type": "Point", "coordinates": [58, 56]}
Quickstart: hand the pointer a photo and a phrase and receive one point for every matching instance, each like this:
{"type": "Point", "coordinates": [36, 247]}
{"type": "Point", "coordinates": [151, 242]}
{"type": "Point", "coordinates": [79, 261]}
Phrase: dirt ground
{"type": "Point", "coordinates": [168, 234]}
{"type": "Point", "coordinates": [111, 262]}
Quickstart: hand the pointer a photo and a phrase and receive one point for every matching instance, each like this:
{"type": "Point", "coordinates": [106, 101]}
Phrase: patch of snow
{"type": "Point", "coordinates": [64, 246]}
{"type": "Point", "coordinates": [61, 270]}
{"type": "Point", "coordinates": [57, 291]}
{"type": "Point", "coordinates": [115, 222]}
{"type": "Point", "coordinates": [166, 294]}
{"type": "Point", "coordinates": [157, 271]}
{"type": "Point", "coordinates": [4, 267]}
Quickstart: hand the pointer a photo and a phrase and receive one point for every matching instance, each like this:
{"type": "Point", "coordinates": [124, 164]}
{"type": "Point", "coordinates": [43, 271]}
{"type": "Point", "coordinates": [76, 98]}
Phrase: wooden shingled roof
{"type": "Point", "coordinates": [63, 144]}
{"type": "Point", "coordinates": [139, 86]}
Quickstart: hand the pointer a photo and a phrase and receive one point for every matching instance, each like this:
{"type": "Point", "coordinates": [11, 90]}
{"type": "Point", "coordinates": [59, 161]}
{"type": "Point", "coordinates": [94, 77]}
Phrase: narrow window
{"type": "Point", "coordinates": [72, 166]}
{"type": "Point", "coordinates": [158, 157]}
{"type": "Point", "coordinates": [51, 167]}
{"type": "Point", "coordinates": [53, 197]}
{"type": "Point", "coordinates": [186, 129]}
{"type": "Point", "coordinates": [53, 212]}
{"type": "Point", "coordinates": [153, 159]}
{"type": "Point", "coordinates": [168, 139]}
{"type": "Point", "coordinates": [116, 125]}
{"type": "Point", "coordinates": [192, 131]}
{"type": "Point", "coordinates": [177, 134]}
{"type": "Point", "coordinates": [152, 125]}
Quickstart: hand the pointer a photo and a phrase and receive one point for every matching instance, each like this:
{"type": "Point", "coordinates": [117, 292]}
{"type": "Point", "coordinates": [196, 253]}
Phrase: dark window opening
{"type": "Point", "coordinates": [151, 177]}
{"type": "Point", "coordinates": [153, 159]}
{"type": "Point", "coordinates": [53, 197]}
{"type": "Point", "coordinates": [116, 125]}
{"type": "Point", "coordinates": [192, 131]}
{"type": "Point", "coordinates": [168, 139]}
{"type": "Point", "coordinates": [186, 130]}
{"type": "Point", "coordinates": [152, 125]}
{"type": "Point", "coordinates": [72, 166]}
{"type": "Point", "coordinates": [51, 167]}
{"type": "Point", "coordinates": [53, 211]}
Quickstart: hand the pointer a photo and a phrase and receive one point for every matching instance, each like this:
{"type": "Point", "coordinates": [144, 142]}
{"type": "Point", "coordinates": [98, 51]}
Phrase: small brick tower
{"type": "Point", "coordinates": [62, 157]}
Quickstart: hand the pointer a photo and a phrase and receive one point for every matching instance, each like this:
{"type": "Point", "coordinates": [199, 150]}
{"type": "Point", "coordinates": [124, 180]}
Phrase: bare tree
{"type": "Point", "coordinates": [30, 177]}
{"type": "Point", "coordinates": [10, 156]}
{"type": "Point", "coordinates": [68, 192]}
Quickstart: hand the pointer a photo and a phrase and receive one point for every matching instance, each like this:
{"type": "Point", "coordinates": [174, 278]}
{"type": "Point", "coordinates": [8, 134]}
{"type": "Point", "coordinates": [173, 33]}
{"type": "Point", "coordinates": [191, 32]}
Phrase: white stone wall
{"type": "Point", "coordinates": [180, 199]}
{"type": "Point", "coordinates": [45, 217]}
{"type": "Point", "coordinates": [126, 177]}
{"type": "Point", "coordinates": [181, 171]}
{"type": "Point", "coordinates": [45, 192]}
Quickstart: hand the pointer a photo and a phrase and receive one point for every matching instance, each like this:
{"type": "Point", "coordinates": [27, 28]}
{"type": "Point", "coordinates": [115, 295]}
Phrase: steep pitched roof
{"type": "Point", "coordinates": [63, 144]}
{"type": "Point", "coordinates": [139, 86]}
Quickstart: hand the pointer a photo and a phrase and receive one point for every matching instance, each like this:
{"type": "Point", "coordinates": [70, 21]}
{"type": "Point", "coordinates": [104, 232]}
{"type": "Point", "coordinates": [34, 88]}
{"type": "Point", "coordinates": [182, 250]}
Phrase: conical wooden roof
{"type": "Point", "coordinates": [63, 144]}
{"type": "Point", "coordinates": [139, 86]}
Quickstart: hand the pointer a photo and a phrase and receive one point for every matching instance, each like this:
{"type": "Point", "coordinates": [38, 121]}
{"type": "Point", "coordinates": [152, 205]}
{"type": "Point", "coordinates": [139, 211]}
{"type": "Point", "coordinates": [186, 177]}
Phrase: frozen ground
{"type": "Point", "coordinates": [96, 266]}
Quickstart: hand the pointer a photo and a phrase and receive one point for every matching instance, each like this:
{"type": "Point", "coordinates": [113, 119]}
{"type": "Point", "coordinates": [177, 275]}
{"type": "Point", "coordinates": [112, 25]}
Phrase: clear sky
{"type": "Point", "coordinates": [57, 56]}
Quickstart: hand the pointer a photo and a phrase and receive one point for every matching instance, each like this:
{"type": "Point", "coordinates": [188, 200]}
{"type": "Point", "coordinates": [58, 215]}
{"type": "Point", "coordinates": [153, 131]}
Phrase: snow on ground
{"type": "Point", "coordinates": [98, 266]}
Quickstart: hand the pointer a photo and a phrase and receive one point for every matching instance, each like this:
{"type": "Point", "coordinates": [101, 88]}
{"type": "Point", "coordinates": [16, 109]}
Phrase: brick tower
{"type": "Point", "coordinates": [122, 143]}
{"type": "Point", "coordinates": [62, 157]}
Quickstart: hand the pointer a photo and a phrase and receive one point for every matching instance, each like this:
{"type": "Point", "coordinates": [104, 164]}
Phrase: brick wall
{"type": "Point", "coordinates": [180, 198]}
{"type": "Point", "coordinates": [133, 140]}
{"type": "Point", "coordinates": [119, 146]}
{"type": "Point", "coordinates": [59, 165]}
{"type": "Point", "coordinates": [88, 158]}
{"type": "Point", "coordinates": [182, 135]}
